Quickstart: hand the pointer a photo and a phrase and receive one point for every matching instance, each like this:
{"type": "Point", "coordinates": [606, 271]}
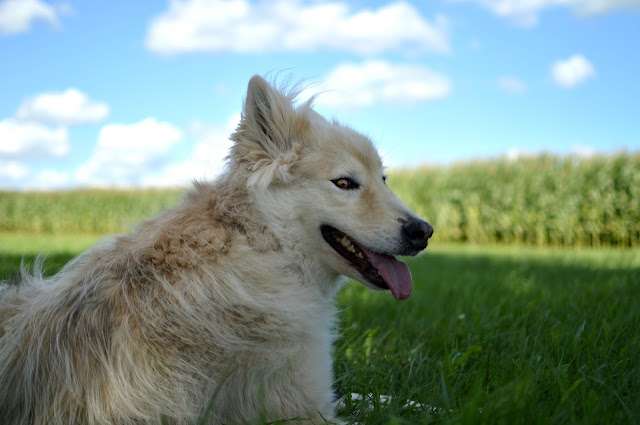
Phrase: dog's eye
{"type": "Point", "coordinates": [345, 183]}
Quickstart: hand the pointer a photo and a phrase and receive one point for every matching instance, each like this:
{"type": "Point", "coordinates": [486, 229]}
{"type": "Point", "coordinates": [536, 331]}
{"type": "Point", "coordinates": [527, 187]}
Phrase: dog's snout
{"type": "Point", "coordinates": [417, 232]}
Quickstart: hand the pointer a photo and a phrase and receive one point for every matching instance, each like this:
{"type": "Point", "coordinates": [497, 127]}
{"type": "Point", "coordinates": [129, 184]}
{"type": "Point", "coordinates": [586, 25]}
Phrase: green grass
{"type": "Point", "coordinates": [490, 334]}
{"type": "Point", "coordinates": [500, 335]}
{"type": "Point", "coordinates": [57, 249]}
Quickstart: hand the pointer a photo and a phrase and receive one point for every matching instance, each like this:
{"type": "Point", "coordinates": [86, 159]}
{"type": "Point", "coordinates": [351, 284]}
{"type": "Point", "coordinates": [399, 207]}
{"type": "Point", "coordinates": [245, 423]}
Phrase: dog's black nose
{"type": "Point", "coordinates": [417, 232]}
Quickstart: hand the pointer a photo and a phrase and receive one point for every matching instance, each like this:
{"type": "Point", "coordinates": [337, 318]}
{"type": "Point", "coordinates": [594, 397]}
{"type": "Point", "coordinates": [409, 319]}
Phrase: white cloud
{"type": "Point", "coordinates": [49, 180]}
{"type": "Point", "coordinates": [512, 84]}
{"type": "Point", "coordinates": [18, 16]}
{"type": "Point", "coordinates": [513, 154]}
{"type": "Point", "coordinates": [358, 85]}
{"type": "Point", "coordinates": [15, 175]}
{"type": "Point", "coordinates": [597, 7]}
{"type": "Point", "coordinates": [148, 135]}
{"type": "Point", "coordinates": [572, 71]}
{"type": "Point", "coordinates": [290, 25]}
{"type": "Point", "coordinates": [65, 108]}
{"type": "Point", "coordinates": [126, 152]}
{"type": "Point", "coordinates": [521, 12]}
{"type": "Point", "coordinates": [583, 151]}
{"type": "Point", "coordinates": [28, 139]}
{"type": "Point", "coordinates": [206, 160]}
{"type": "Point", "coordinates": [526, 12]}
{"type": "Point", "coordinates": [12, 170]}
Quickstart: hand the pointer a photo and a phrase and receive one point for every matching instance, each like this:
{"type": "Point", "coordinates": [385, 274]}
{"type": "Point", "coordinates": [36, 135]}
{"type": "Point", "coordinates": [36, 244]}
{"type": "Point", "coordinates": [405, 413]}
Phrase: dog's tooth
{"type": "Point", "coordinates": [347, 243]}
{"type": "Point", "coordinates": [359, 255]}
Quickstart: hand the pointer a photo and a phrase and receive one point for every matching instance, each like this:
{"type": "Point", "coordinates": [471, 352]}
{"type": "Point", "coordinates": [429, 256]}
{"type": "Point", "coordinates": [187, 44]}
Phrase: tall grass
{"type": "Point", "coordinates": [542, 200]}
{"type": "Point", "coordinates": [81, 211]}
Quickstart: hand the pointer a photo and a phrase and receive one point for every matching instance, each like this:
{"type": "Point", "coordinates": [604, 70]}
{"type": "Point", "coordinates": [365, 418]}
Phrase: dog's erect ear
{"type": "Point", "coordinates": [267, 118]}
{"type": "Point", "coordinates": [270, 112]}
{"type": "Point", "coordinates": [267, 134]}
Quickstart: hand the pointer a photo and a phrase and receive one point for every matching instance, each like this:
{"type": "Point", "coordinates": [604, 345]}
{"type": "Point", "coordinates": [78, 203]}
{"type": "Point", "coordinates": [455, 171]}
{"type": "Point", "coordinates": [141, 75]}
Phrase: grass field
{"type": "Point", "coordinates": [493, 335]}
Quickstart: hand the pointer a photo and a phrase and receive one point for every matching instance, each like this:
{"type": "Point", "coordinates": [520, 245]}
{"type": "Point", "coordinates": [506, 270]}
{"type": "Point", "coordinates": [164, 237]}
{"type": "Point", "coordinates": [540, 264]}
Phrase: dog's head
{"type": "Point", "coordinates": [324, 183]}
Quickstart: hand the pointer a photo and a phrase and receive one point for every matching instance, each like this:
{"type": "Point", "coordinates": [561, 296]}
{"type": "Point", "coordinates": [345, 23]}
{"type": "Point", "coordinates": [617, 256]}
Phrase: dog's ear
{"type": "Point", "coordinates": [268, 113]}
{"type": "Point", "coordinates": [268, 132]}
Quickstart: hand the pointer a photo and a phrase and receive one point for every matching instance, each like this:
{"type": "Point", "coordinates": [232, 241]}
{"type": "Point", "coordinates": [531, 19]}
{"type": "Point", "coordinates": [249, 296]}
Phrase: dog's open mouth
{"type": "Point", "coordinates": [381, 270]}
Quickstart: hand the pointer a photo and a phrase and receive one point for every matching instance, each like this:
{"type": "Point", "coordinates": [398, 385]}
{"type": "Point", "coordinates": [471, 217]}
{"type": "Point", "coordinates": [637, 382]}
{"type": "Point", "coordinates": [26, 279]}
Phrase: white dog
{"type": "Point", "coordinates": [223, 304]}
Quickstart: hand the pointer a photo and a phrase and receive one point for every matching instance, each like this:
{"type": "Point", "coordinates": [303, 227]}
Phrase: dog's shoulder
{"type": "Point", "coordinates": [213, 221]}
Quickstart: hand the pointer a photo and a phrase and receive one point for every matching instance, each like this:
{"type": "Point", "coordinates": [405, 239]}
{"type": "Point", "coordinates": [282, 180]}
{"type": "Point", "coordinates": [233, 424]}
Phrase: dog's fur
{"type": "Point", "coordinates": [226, 299]}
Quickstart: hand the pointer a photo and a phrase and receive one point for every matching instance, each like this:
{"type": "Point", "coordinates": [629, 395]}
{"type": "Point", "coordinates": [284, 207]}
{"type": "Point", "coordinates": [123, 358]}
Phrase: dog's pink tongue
{"type": "Point", "coordinates": [395, 273]}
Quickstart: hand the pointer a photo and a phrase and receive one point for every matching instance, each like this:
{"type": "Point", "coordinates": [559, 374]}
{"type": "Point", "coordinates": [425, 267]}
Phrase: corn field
{"type": "Point", "coordinates": [81, 211]}
{"type": "Point", "coordinates": [541, 200]}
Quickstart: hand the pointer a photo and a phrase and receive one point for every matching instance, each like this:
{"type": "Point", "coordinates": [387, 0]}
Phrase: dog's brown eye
{"type": "Point", "coordinates": [345, 183]}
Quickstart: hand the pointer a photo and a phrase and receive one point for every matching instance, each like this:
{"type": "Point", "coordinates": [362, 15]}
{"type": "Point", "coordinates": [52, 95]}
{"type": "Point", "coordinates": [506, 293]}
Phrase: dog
{"type": "Point", "coordinates": [220, 309]}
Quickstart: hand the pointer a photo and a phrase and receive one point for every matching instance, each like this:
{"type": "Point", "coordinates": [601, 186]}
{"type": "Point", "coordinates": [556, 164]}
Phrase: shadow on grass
{"type": "Point", "coordinates": [10, 264]}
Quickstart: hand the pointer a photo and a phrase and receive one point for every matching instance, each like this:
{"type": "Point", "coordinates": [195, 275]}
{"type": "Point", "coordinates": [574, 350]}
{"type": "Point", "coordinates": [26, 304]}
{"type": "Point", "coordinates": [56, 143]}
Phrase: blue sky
{"type": "Point", "coordinates": [146, 93]}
